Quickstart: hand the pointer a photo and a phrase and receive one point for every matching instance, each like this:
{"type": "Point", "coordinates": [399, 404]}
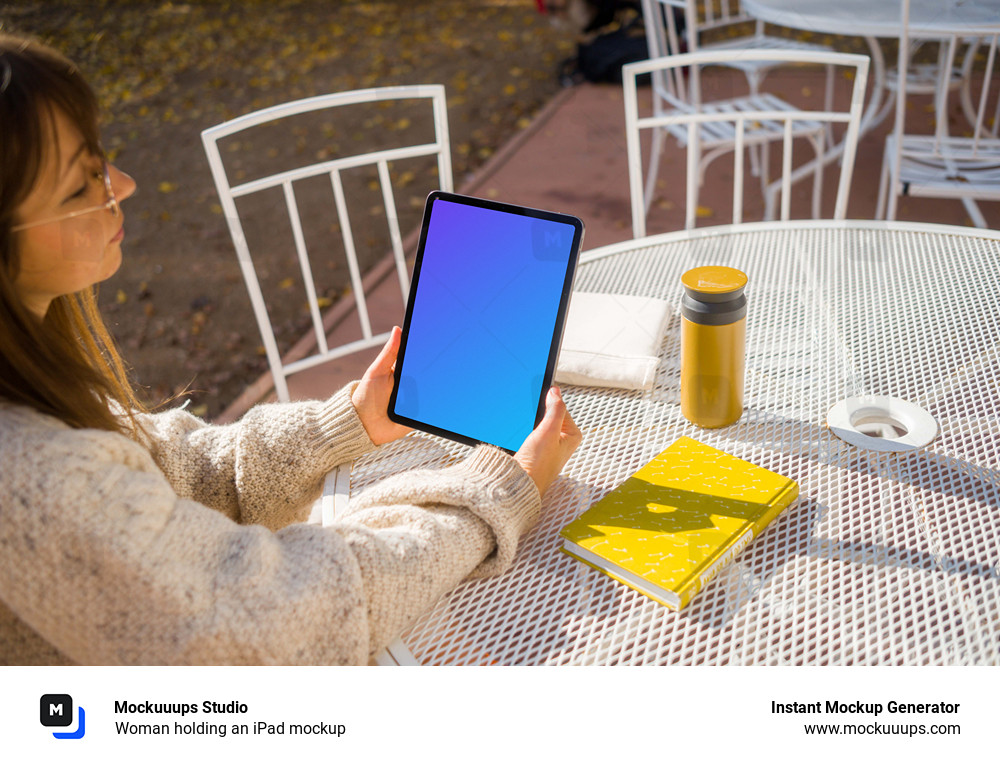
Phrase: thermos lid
{"type": "Point", "coordinates": [714, 284]}
{"type": "Point", "coordinates": [713, 295]}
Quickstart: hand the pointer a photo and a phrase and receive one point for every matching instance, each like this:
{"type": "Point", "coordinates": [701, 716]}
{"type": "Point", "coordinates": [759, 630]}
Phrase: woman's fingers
{"type": "Point", "coordinates": [558, 419]}
{"type": "Point", "coordinates": [387, 356]}
{"type": "Point", "coordinates": [555, 408]}
{"type": "Point", "coordinates": [550, 445]}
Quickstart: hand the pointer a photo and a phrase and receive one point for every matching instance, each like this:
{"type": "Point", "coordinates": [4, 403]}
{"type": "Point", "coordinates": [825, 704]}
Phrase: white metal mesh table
{"type": "Point", "coordinates": [886, 558]}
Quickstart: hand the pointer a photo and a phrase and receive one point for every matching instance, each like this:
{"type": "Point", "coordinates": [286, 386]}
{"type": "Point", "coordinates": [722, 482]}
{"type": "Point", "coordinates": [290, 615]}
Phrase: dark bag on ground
{"type": "Point", "coordinates": [602, 59]}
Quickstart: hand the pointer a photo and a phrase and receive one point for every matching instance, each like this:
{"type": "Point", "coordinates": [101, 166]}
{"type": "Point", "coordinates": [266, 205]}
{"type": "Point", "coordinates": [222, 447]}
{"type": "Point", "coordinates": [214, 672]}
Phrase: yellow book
{"type": "Point", "coordinates": [677, 521]}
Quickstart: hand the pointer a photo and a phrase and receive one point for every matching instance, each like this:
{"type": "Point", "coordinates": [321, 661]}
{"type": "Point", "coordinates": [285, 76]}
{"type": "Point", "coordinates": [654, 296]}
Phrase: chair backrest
{"type": "Point", "coordinates": [733, 125]}
{"type": "Point", "coordinates": [663, 38]}
{"type": "Point", "coordinates": [662, 34]}
{"type": "Point", "coordinates": [286, 179]}
{"type": "Point", "coordinates": [982, 108]}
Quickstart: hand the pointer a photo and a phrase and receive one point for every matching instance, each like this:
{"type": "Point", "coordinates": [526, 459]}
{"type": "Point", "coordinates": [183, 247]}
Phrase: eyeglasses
{"type": "Point", "coordinates": [111, 204]}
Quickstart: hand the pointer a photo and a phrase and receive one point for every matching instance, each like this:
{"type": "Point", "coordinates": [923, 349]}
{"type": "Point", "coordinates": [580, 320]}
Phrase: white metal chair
{"type": "Point", "coordinates": [710, 129]}
{"type": "Point", "coordinates": [925, 78]}
{"type": "Point", "coordinates": [943, 166]}
{"type": "Point", "coordinates": [333, 168]}
{"type": "Point", "coordinates": [703, 17]}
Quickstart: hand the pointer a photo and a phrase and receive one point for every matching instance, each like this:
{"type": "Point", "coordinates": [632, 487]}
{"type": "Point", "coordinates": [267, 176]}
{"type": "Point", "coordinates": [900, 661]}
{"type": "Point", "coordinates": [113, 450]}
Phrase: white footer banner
{"type": "Point", "coordinates": [497, 715]}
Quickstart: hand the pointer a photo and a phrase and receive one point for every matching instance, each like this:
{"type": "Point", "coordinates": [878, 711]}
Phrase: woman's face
{"type": "Point", "coordinates": [68, 255]}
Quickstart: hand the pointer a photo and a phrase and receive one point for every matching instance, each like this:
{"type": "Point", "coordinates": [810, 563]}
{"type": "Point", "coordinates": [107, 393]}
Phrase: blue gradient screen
{"type": "Point", "coordinates": [481, 322]}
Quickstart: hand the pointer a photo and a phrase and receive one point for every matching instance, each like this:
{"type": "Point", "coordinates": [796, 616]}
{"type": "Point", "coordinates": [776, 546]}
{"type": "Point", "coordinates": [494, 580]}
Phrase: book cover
{"type": "Point", "coordinates": [678, 520]}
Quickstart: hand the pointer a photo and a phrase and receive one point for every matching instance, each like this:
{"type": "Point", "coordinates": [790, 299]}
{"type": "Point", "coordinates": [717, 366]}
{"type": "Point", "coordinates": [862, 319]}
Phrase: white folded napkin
{"type": "Point", "coordinates": [612, 341]}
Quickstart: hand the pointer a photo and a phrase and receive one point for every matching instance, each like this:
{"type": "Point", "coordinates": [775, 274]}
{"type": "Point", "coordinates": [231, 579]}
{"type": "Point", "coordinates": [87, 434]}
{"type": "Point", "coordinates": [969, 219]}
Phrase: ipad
{"type": "Point", "coordinates": [484, 319]}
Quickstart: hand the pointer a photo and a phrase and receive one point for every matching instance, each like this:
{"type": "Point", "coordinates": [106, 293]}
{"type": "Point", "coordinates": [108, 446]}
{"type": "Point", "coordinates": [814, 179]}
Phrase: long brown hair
{"type": "Point", "coordinates": [65, 364]}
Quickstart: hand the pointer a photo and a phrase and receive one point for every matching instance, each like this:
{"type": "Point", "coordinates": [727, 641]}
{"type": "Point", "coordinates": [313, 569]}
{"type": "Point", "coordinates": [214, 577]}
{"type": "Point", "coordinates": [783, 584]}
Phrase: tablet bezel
{"type": "Point", "coordinates": [556, 342]}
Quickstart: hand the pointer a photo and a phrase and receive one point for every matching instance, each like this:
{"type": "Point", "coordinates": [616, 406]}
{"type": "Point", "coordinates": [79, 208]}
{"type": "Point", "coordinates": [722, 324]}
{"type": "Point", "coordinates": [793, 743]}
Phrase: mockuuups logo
{"type": "Point", "coordinates": [56, 710]}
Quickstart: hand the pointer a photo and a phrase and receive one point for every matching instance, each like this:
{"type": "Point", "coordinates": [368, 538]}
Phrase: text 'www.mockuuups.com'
{"type": "Point", "coordinates": [904, 721]}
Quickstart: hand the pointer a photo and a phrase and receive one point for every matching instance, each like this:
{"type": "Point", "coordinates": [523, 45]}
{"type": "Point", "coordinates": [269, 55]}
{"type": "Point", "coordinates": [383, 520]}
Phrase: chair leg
{"type": "Point", "coordinates": [658, 138]}
{"type": "Point", "coordinates": [754, 80]}
{"type": "Point", "coordinates": [765, 163]}
{"type": "Point", "coordinates": [965, 86]}
{"type": "Point", "coordinates": [883, 187]}
{"type": "Point", "coordinates": [974, 213]}
{"type": "Point", "coordinates": [818, 174]}
{"type": "Point", "coordinates": [755, 161]}
{"type": "Point", "coordinates": [336, 493]}
{"type": "Point", "coordinates": [890, 102]}
{"type": "Point", "coordinates": [893, 194]}
{"type": "Point", "coordinates": [768, 190]}
{"type": "Point", "coordinates": [828, 102]}
{"type": "Point", "coordinates": [770, 202]}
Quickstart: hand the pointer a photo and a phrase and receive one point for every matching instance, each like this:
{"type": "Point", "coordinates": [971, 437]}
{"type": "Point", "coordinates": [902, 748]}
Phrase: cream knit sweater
{"type": "Point", "coordinates": [186, 549]}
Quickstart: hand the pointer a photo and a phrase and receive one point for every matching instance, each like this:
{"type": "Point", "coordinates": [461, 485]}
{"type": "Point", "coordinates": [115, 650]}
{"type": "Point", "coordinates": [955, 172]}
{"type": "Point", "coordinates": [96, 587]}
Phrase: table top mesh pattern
{"type": "Point", "coordinates": [886, 558]}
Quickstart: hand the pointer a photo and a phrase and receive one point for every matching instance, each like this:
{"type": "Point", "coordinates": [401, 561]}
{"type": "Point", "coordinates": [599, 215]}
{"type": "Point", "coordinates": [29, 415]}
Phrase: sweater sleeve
{"type": "Point", "coordinates": [465, 518]}
{"type": "Point", "coordinates": [124, 570]}
{"type": "Point", "coordinates": [266, 468]}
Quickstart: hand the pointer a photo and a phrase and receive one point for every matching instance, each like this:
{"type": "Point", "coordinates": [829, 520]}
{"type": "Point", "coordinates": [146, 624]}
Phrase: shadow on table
{"type": "Point", "coordinates": [797, 532]}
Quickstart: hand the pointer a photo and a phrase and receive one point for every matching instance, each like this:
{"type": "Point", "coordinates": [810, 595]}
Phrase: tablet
{"type": "Point", "coordinates": [484, 319]}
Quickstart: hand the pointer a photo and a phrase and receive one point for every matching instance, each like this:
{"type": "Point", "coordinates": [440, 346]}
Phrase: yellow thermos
{"type": "Point", "coordinates": [713, 345]}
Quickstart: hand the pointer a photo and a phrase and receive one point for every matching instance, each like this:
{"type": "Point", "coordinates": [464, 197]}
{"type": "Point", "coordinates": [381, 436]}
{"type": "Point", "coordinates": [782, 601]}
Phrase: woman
{"type": "Point", "coordinates": [130, 537]}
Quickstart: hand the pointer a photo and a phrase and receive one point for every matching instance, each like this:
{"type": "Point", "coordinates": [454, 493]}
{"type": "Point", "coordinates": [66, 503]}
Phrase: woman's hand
{"type": "Point", "coordinates": [371, 397]}
{"type": "Point", "coordinates": [549, 446]}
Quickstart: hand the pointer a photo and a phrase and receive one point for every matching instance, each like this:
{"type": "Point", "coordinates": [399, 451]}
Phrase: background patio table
{"type": "Point", "coordinates": [886, 558]}
{"type": "Point", "coordinates": [929, 19]}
